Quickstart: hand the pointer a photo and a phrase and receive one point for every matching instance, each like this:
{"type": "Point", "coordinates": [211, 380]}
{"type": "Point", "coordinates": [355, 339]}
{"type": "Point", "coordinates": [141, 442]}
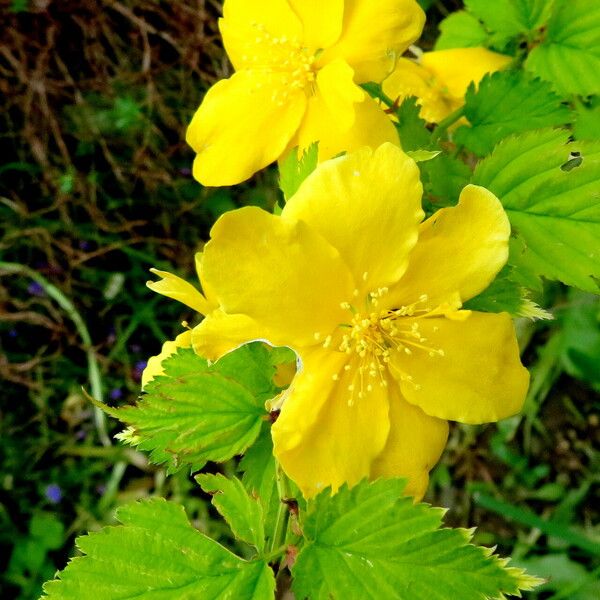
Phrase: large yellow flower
{"type": "Point", "coordinates": [370, 299]}
{"type": "Point", "coordinates": [298, 64]}
{"type": "Point", "coordinates": [440, 79]}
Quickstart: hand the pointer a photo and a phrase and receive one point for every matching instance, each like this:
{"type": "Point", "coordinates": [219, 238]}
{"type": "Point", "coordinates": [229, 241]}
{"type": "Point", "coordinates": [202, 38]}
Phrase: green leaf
{"type": "Point", "coordinates": [371, 542]}
{"type": "Point", "coordinates": [242, 513]}
{"type": "Point", "coordinates": [461, 30]}
{"type": "Point", "coordinates": [156, 553]}
{"type": "Point", "coordinates": [509, 18]}
{"type": "Point", "coordinates": [580, 336]}
{"type": "Point", "coordinates": [259, 478]}
{"type": "Point", "coordinates": [507, 102]}
{"type": "Point", "coordinates": [293, 170]}
{"type": "Point", "coordinates": [423, 155]}
{"type": "Point", "coordinates": [569, 56]}
{"type": "Point", "coordinates": [198, 412]}
{"type": "Point", "coordinates": [412, 130]}
{"type": "Point", "coordinates": [444, 178]}
{"type": "Point", "coordinates": [506, 295]}
{"type": "Point", "coordinates": [554, 212]}
{"type": "Point", "coordinates": [587, 120]}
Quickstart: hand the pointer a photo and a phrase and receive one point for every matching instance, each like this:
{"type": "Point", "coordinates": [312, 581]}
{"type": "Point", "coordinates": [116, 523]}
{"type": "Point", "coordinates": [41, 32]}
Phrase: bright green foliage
{"type": "Point", "coordinates": [198, 412]}
{"type": "Point", "coordinates": [461, 30]}
{"type": "Point", "coordinates": [370, 542]}
{"type": "Point", "coordinates": [587, 120]}
{"type": "Point", "coordinates": [580, 336]}
{"type": "Point", "coordinates": [507, 295]}
{"type": "Point", "coordinates": [258, 468]}
{"type": "Point", "coordinates": [508, 102]}
{"type": "Point", "coordinates": [444, 177]}
{"type": "Point", "coordinates": [293, 170]}
{"type": "Point", "coordinates": [569, 56]}
{"type": "Point", "coordinates": [554, 212]}
{"type": "Point", "coordinates": [243, 514]}
{"type": "Point", "coordinates": [156, 554]}
{"type": "Point", "coordinates": [412, 130]}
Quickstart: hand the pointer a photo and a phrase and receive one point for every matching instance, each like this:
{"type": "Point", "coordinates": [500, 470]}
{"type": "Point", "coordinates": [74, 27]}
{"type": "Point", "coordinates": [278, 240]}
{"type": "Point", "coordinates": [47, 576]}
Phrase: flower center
{"type": "Point", "coordinates": [375, 336]}
{"type": "Point", "coordinates": [288, 58]}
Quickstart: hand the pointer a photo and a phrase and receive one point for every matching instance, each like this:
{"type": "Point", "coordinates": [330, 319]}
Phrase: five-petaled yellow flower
{"type": "Point", "coordinates": [370, 298]}
{"type": "Point", "coordinates": [440, 79]}
{"type": "Point", "coordinates": [298, 67]}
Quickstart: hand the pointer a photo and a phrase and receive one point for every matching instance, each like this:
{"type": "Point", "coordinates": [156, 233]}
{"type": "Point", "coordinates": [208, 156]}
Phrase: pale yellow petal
{"type": "Point", "coordinates": [278, 272]}
{"type": "Point", "coordinates": [339, 92]}
{"type": "Point", "coordinates": [177, 288]}
{"type": "Point", "coordinates": [249, 28]}
{"type": "Point", "coordinates": [468, 370]}
{"type": "Point", "coordinates": [411, 79]}
{"type": "Point", "coordinates": [372, 128]}
{"type": "Point", "coordinates": [154, 368]}
{"type": "Point", "coordinates": [243, 124]}
{"type": "Point", "coordinates": [220, 333]}
{"type": "Point", "coordinates": [368, 206]}
{"type": "Point", "coordinates": [456, 68]}
{"type": "Point", "coordinates": [414, 445]}
{"type": "Point", "coordinates": [374, 34]}
{"type": "Point", "coordinates": [460, 250]}
{"type": "Point", "coordinates": [326, 435]}
{"type": "Point", "coordinates": [322, 21]}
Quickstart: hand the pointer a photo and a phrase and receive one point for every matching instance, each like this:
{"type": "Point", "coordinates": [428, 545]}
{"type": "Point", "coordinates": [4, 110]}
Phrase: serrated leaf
{"type": "Point", "coordinates": [587, 120]}
{"type": "Point", "coordinates": [569, 56]}
{"type": "Point", "coordinates": [154, 554]}
{"type": "Point", "coordinates": [506, 295]}
{"type": "Point", "coordinates": [555, 213]}
{"type": "Point", "coordinates": [242, 513]}
{"type": "Point", "coordinates": [412, 130]}
{"type": "Point", "coordinates": [198, 412]}
{"type": "Point", "coordinates": [293, 170]}
{"type": "Point", "coordinates": [507, 102]}
{"type": "Point", "coordinates": [369, 542]}
{"type": "Point", "coordinates": [461, 30]}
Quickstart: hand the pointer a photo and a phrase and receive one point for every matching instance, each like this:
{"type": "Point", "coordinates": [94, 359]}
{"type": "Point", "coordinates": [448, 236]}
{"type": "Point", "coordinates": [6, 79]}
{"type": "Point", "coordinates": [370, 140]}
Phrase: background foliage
{"type": "Point", "coordinates": [95, 188]}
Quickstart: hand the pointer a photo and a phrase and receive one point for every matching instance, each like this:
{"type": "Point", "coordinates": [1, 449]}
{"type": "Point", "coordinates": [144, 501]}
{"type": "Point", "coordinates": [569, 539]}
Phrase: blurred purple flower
{"type": "Point", "coordinates": [116, 394]}
{"type": "Point", "coordinates": [53, 493]}
{"type": "Point", "coordinates": [36, 289]}
{"type": "Point", "coordinates": [13, 333]}
{"type": "Point", "coordinates": [135, 348]}
{"type": "Point", "coordinates": [138, 369]}
{"type": "Point", "coordinates": [84, 245]}
{"type": "Point", "coordinates": [185, 171]}
{"type": "Point", "coordinates": [81, 434]}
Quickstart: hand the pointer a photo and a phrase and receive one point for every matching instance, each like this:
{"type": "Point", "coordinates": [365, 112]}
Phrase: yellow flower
{"type": "Point", "coordinates": [370, 299]}
{"type": "Point", "coordinates": [298, 64]}
{"type": "Point", "coordinates": [440, 79]}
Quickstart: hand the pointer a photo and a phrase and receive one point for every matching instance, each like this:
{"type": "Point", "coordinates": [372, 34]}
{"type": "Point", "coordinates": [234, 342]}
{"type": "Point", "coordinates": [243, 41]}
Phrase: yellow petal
{"type": "Point", "coordinates": [322, 21]}
{"type": "Point", "coordinates": [368, 206]}
{"type": "Point", "coordinates": [243, 124]}
{"type": "Point", "coordinates": [456, 68]}
{"type": "Point", "coordinates": [248, 29]}
{"type": "Point", "coordinates": [220, 333]}
{"type": "Point", "coordinates": [278, 272]}
{"type": "Point", "coordinates": [372, 127]}
{"type": "Point", "coordinates": [154, 367]}
{"type": "Point", "coordinates": [374, 34]}
{"type": "Point", "coordinates": [339, 92]}
{"type": "Point", "coordinates": [479, 378]}
{"type": "Point", "coordinates": [319, 438]}
{"type": "Point", "coordinates": [411, 79]}
{"type": "Point", "coordinates": [415, 444]}
{"type": "Point", "coordinates": [460, 249]}
{"type": "Point", "coordinates": [174, 287]}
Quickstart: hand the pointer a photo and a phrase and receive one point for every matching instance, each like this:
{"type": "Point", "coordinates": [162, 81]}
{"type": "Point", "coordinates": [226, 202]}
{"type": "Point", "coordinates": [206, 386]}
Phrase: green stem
{"type": "Point", "coordinates": [283, 513]}
{"type": "Point", "coordinates": [444, 124]}
{"type": "Point", "coordinates": [93, 369]}
{"type": "Point", "coordinates": [274, 554]}
{"type": "Point", "coordinates": [374, 90]}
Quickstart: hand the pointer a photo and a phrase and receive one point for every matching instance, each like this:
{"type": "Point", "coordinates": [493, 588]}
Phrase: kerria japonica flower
{"type": "Point", "coordinates": [440, 79]}
{"type": "Point", "coordinates": [370, 298]}
{"type": "Point", "coordinates": [298, 66]}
